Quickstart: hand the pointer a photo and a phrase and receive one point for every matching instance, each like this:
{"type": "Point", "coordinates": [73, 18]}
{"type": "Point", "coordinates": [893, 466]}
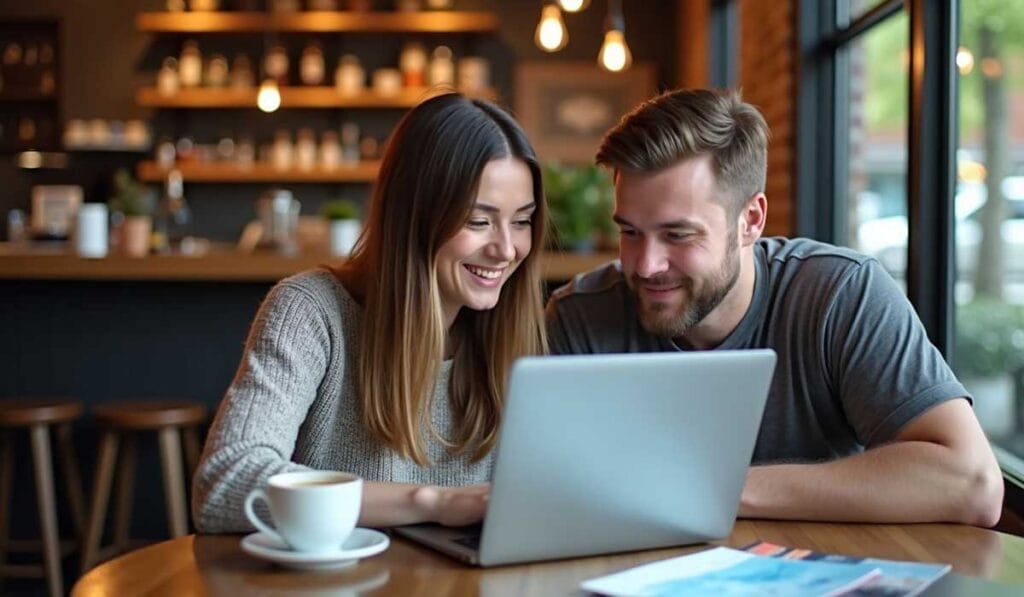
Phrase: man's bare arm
{"type": "Point", "coordinates": [939, 468]}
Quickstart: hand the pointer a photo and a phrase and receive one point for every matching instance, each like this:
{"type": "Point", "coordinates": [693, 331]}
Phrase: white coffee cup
{"type": "Point", "coordinates": [313, 510]}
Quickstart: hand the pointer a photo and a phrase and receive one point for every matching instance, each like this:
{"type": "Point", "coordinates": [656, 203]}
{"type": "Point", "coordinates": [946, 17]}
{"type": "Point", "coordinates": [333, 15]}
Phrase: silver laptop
{"type": "Point", "coordinates": [610, 453]}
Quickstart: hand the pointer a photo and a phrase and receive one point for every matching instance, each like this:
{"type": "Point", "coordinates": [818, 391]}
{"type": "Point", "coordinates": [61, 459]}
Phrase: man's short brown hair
{"type": "Point", "coordinates": [683, 124]}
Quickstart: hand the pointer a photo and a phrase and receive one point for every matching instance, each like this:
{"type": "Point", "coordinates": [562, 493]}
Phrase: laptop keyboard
{"type": "Point", "coordinates": [470, 541]}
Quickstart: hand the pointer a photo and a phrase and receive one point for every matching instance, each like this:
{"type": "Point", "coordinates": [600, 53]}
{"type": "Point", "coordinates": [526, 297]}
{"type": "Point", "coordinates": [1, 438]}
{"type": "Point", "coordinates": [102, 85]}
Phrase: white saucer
{"type": "Point", "coordinates": [362, 543]}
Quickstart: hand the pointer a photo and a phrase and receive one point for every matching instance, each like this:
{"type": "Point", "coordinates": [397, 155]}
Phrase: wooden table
{"type": "Point", "coordinates": [216, 565]}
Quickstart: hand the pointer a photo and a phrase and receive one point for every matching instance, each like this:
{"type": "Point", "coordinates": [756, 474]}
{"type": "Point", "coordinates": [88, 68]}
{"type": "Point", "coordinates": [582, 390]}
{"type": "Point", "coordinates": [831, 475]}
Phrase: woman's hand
{"type": "Point", "coordinates": [453, 506]}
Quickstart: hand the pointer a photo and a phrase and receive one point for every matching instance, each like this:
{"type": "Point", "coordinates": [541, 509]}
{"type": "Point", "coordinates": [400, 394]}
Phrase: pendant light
{"type": "Point", "coordinates": [574, 5]}
{"type": "Point", "coordinates": [615, 55]}
{"type": "Point", "coordinates": [551, 35]}
{"type": "Point", "coordinates": [269, 97]}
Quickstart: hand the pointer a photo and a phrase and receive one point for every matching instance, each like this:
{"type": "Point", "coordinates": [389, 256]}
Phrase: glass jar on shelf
{"type": "Point", "coordinates": [387, 81]}
{"type": "Point", "coordinates": [165, 154]}
{"type": "Point", "coordinates": [241, 76]}
{"type": "Point", "coordinates": [369, 148]}
{"type": "Point", "coordinates": [442, 69]}
{"type": "Point", "coordinates": [217, 71]}
{"type": "Point", "coordinates": [167, 77]}
{"type": "Point", "coordinates": [305, 149]}
{"type": "Point", "coordinates": [275, 64]}
{"type": "Point", "coordinates": [311, 65]}
{"type": "Point", "coordinates": [281, 152]}
{"type": "Point", "coordinates": [245, 152]}
{"type": "Point", "coordinates": [330, 150]}
{"type": "Point", "coordinates": [350, 143]}
{"type": "Point", "coordinates": [474, 75]}
{"type": "Point", "coordinates": [225, 149]}
{"type": "Point", "coordinates": [413, 64]}
{"type": "Point", "coordinates": [349, 77]}
{"type": "Point", "coordinates": [190, 65]}
{"type": "Point", "coordinates": [185, 150]}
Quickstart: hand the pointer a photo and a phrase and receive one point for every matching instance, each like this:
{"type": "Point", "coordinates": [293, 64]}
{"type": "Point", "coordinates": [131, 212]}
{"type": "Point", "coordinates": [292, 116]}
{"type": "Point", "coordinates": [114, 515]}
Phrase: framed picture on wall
{"type": "Point", "coordinates": [566, 107]}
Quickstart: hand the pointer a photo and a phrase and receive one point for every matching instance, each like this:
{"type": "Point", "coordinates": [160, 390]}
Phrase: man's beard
{"type": "Point", "coordinates": [672, 321]}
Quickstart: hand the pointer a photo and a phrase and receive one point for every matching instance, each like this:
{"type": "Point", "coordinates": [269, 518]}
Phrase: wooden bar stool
{"type": "Point", "coordinates": [38, 415]}
{"type": "Point", "coordinates": [120, 421]}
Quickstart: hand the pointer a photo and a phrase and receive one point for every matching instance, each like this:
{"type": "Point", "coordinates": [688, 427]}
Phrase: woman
{"type": "Point", "coordinates": [393, 366]}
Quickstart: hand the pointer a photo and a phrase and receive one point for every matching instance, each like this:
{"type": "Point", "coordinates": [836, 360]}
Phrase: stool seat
{"type": "Point", "coordinates": [23, 412]}
{"type": "Point", "coordinates": [149, 414]}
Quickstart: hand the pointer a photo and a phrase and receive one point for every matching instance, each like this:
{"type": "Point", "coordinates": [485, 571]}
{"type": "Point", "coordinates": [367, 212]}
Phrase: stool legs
{"type": "Point", "coordinates": [40, 435]}
{"type": "Point", "coordinates": [6, 469]}
{"type": "Point", "coordinates": [191, 435]}
{"type": "Point", "coordinates": [125, 485]}
{"type": "Point", "coordinates": [100, 495]}
{"type": "Point", "coordinates": [170, 445]}
{"type": "Point", "coordinates": [72, 479]}
{"type": "Point", "coordinates": [174, 481]}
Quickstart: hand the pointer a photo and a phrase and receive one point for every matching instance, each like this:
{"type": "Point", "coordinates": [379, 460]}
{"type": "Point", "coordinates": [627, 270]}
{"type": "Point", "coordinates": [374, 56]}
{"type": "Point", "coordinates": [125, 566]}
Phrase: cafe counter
{"type": "Point", "coordinates": [121, 328]}
{"type": "Point", "coordinates": [221, 264]}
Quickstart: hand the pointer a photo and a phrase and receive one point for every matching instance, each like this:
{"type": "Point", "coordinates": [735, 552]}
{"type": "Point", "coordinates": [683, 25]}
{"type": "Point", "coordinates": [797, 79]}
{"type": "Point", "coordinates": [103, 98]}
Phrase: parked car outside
{"type": "Point", "coordinates": [882, 232]}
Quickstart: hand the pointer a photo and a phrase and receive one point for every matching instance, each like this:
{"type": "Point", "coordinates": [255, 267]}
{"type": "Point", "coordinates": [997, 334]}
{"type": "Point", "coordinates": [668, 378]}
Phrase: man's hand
{"type": "Point", "coordinates": [453, 506]}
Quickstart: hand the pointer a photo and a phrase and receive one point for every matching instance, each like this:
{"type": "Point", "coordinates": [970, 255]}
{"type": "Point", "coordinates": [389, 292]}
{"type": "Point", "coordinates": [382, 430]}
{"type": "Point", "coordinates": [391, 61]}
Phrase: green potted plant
{"type": "Point", "coordinates": [135, 202]}
{"type": "Point", "coordinates": [580, 199]}
{"type": "Point", "coordinates": [343, 217]}
{"type": "Point", "coordinates": [989, 355]}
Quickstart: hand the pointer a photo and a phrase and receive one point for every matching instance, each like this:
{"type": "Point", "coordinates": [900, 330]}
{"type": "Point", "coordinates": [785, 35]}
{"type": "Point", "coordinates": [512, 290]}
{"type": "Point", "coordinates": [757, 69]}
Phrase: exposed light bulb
{"type": "Point", "coordinates": [269, 97]}
{"type": "Point", "coordinates": [574, 5]}
{"type": "Point", "coordinates": [964, 61]}
{"type": "Point", "coordinates": [551, 34]}
{"type": "Point", "coordinates": [615, 55]}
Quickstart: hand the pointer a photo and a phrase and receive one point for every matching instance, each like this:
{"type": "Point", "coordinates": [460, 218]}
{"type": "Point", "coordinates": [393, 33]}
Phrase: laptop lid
{"type": "Point", "coordinates": [619, 452]}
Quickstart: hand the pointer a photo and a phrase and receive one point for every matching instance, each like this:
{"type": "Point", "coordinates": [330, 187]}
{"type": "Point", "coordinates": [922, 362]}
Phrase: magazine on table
{"type": "Point", "coordinates": [768, 569]}
{"type": "Point", "coordinates": [722, 572]}
{"type": "Point", "coordinates": [897, 579]}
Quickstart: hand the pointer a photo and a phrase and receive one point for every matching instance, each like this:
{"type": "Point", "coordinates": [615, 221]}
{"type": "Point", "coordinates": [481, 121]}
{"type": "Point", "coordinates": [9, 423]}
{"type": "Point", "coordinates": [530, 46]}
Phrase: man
{"type": "Point", "coordinates": [864, 421]}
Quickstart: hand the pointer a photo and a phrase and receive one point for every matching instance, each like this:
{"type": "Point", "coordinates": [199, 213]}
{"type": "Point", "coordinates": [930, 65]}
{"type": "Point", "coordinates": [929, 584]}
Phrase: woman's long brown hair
{"type": "Point", "coordinates": [424, 194]}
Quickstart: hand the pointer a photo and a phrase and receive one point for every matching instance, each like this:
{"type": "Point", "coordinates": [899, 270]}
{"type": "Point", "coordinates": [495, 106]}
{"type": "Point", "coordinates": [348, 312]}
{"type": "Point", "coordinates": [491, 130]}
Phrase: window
{"type": "Point", "coordinates": [989, 218]}
{"type": "Point", "coordinates": [921, 149]}
{"type": "Point", "coordinates": [873, 77]}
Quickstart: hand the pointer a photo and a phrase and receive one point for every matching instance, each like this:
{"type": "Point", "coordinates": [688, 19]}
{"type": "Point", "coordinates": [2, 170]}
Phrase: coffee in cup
{"type": "Point", "coordinates": [312, 511]}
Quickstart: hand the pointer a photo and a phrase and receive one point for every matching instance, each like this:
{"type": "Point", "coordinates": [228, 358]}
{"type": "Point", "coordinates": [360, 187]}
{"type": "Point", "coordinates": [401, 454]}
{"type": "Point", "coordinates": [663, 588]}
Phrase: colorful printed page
{"type": "Point", "coordinates": [898, 579]}
{"type": "Point", "coordinates": [724, 572]}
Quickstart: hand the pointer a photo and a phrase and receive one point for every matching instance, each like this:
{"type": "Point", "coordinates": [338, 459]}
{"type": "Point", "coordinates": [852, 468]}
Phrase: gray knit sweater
{"type": "Point", "coordinates": [293, 406]}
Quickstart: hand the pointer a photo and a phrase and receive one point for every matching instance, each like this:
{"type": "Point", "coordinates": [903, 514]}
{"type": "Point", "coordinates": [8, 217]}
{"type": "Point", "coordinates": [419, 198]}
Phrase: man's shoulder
{"type": "Point", "coordinates": [606, 280]}
{"type": "Point", "coordinates": [798, 251]}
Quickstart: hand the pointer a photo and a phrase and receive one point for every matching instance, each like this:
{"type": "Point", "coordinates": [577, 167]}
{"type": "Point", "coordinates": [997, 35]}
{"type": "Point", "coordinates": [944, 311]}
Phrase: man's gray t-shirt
{"type": "Point", "coordinates": [854, 362]}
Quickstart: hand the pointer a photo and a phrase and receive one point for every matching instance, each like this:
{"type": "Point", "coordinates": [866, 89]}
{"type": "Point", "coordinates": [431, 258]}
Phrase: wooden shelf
{"type": "Point", "coordinates": [260, 172]}
{"type": "Point", "coordinates": [26, 95]}
{"type": "Point", "coordinates": [291, 97]}
{"type": "Point", "coordinates": [317, 22]}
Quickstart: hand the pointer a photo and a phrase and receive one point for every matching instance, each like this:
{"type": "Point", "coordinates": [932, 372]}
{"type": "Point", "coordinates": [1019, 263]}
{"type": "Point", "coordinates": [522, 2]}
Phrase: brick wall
{"type": "Point", "coordinates": [768, 70]}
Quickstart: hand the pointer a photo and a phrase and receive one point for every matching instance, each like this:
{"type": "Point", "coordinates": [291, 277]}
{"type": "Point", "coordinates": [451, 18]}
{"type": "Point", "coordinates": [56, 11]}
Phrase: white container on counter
{"type": "Point", "coordinates": [344, 234]}
{"type": "Point", "coordinates": [91, 239]}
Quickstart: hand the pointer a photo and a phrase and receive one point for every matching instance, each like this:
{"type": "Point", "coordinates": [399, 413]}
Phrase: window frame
{"type": "Point", "coordinates": [825, 32]}
{"type": "Point", "coordinates": [723, 43]}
